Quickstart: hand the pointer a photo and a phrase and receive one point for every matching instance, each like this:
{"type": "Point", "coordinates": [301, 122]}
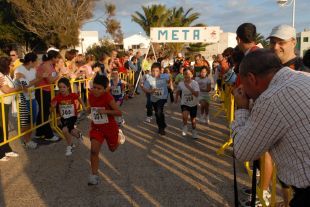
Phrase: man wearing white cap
{"type": "Point", "coordinates": [283, 42]}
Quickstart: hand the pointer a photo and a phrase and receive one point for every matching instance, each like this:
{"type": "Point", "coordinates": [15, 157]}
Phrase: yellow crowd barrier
{"type": "Point", "coordinates": [80, 86]}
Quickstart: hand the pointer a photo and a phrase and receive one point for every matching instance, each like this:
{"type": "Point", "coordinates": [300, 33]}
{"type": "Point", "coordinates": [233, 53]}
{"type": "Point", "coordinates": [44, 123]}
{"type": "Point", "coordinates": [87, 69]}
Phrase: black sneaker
{"type": "Point", "coordinates": [162, 132]}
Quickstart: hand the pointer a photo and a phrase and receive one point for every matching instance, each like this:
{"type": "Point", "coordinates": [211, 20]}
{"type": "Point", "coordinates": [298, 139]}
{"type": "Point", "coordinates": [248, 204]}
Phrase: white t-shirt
{"type": "Point", "coordinates": [30, 75]}
{"type": "Point", "coordinates": [203, 84]}
{"type": "Point", "coordinates": [188, 99]}
{"type": "Point", "coordinates": [9, 82]}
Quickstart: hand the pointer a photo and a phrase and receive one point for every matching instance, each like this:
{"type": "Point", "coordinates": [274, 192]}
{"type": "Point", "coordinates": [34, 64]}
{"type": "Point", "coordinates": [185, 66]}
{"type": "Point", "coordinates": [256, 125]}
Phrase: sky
{"type": "Point", "coordinates": [228, 14]}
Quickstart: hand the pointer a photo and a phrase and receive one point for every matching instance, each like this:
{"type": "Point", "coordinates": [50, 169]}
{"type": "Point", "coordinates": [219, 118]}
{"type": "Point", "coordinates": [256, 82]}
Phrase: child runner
{"type": "Point", "coordinates": [158, 88]}
{"type": "Point", "coordinates": [67, 104]}
{"type": "Point", "coordinates": [204, 98]}
{"type": "Point", "coordinates": [189, 101]}
{"type": "Point", "coordinates": [117, 91]}
{"type": "Point", "coordinates": [103, 108]}
{"type": "Point", "coordinates": [149, 107]}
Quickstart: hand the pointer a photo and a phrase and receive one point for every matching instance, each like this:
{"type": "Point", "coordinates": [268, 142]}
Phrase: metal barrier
{"type": "Point", "coordinates": [76, 85]}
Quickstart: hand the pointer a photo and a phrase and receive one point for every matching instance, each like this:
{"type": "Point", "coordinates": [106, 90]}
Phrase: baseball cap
{"type": "Point", "coordinates": [283, 32]}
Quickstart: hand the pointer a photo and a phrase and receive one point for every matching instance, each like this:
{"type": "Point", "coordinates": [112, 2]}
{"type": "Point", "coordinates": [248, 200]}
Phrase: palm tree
{"type": "Point", "coordinates": [179, 18]}
{"type": "Point", "coordinates": [154, 16]}
{"type": "Point", "coordinates": [261, 39]}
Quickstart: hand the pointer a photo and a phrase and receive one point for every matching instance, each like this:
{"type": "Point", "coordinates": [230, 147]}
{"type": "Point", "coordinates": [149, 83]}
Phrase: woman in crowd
{"type": "Point", "coordinates": [47, 68]}
{"type": "Point", "coordinates": [7, 86]}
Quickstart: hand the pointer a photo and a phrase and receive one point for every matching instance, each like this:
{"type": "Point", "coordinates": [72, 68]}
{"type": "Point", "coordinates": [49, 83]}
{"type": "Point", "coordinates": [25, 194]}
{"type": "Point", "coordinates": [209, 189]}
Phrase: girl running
{"type": "Point", "coordinates": [204, 98]}
{"type": "Point", "coordinates": [66, 102]}
{"type": "Point", "coordinates": [189, 101]}
{"type": "Point", "coordinates": [103, 108]}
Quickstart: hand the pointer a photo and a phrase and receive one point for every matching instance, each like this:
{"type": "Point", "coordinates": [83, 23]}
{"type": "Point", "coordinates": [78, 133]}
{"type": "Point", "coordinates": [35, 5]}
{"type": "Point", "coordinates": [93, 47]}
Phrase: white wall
{"type": "Point", "coordinates": [89, 38]}
{"type": "Point", "coordinates": [136, 39]}
{"type": "Point", "coordinates": [227, 39]}
{"type": "Point", "coordinates": [303, 44]}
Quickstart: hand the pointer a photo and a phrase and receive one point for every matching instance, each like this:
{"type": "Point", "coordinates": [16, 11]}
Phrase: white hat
{"type": "Point", "coordinates": [52, 48]}
{"type": "Point", "coordinates": [284, 32]}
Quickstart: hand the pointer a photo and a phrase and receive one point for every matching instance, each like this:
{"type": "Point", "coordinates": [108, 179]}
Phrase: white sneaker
{"type": "Point", "coordinates": [148, 119]}
{"type": "Point", "coordinates": [53, 139]}
{"type": "Point", "coordinates": [202, 119]}
{"type": "Point", "coordinates": [194, 134]}
{"type": "Point", "coordinates": [69, 151]}
{"type": "Point", "coordinates": [93, 180]}
{"type": "Point", "coordinates": [11, 154]}
{"type": "Point", "coordinates": [184, 130]}
{"type": "Point", "coordinates": [121, 136]}
{"type": "Point", "coordinates": [4, 159]}
{"type": "Point", "coordinates": [208, 119]}
{"type": "Point", "coordinates": [266, 197]}
{"type": "Point", "coordinates": [31, 145]}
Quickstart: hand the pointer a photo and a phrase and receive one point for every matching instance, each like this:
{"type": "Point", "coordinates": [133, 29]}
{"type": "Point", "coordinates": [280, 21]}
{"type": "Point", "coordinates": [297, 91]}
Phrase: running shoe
{"type": "Point", "coordinates": [194, 134]}
{"type": "Point", "coordinates": [69, 150]}
{"type": "Point", "coordinates": [93, 180]}
{"type": "Point", "coordinates": [31, 145]}
{"type": "Point", "coordinates": [11, 154]}
{"type": "Point", "coordinates": [184, 130]}
{"type": "Point", "coordinates": [121, 136]}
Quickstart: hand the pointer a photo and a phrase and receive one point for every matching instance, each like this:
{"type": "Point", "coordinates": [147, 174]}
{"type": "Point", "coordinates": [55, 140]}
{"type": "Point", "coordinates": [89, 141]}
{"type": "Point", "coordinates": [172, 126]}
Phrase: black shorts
{"type": "Point", "coordinates": [69, 123]}
{"type": "Point", "coordinates": [192, 110]}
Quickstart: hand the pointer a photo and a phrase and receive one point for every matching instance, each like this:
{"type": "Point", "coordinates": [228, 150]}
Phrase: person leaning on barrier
{"type": "Point", "coordinates": [279, 121]}
{"type": "Point", "coordinates": [6, 86]}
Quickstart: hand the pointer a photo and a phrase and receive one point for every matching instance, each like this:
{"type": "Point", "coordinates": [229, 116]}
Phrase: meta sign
{"type": "Point", "coordinates": [185, 34]}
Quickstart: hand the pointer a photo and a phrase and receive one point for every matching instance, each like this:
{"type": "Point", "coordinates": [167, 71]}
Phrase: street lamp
{"type": "Point", "coordinates": [82, 40]}
{"type": "Point", "coordinates": [286, 3]}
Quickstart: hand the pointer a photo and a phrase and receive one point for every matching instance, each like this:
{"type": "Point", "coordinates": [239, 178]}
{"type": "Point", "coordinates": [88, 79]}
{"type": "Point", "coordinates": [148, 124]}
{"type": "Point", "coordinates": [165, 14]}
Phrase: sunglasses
{"type": "Point", "coordinates": [13, 55]}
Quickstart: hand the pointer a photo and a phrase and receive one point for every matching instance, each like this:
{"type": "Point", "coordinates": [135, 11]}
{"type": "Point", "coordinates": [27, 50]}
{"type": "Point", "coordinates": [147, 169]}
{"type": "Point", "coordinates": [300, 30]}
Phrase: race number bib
{"type": "Point", "coordinates": [159, 92]}
{"type": "Point", "coordinates": [117, 91]}
{"type": "Point", "coordinates": [188, 99]}
{"type": "Point", "coordinates": [66, 111]}
{"type": "Point", "coordinates": [97, 117]}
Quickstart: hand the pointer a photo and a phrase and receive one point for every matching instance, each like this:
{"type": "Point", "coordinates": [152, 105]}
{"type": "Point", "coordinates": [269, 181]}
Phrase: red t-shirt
{"type": "Point", "coordinates": [102, 101]}
{"type": "Point", "coordinates": [67, 105]}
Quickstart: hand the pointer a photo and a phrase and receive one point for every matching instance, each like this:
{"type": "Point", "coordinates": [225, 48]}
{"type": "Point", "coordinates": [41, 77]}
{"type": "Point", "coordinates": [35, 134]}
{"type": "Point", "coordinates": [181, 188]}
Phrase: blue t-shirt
{"type": "Point", "coordinates": [160, 84]}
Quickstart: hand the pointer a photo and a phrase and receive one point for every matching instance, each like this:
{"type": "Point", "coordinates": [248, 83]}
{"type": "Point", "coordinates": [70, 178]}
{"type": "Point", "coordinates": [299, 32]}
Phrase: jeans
{"type": "Point", "coordinates": [159, 113]}
{"type": "Point", "coordinates": [149, 107]}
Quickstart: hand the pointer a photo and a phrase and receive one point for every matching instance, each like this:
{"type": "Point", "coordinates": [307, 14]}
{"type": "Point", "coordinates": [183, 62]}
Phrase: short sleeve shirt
{"type": "Point", "coordinates": [160, 85]}
{"type": "Point", "coordinates": [30, 75]}
{"type": "Point", "coordinates": [67, 105]}
{"type": "Point", "coordinates": [203, 84]}
{"type": "Point", "coordinates": [102, 101]}
{"type": "Point", "coordinates": [188, 99]}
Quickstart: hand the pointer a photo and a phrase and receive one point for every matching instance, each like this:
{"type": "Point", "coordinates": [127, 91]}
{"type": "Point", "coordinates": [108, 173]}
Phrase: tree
{"type": "Point", "coordinates": [56, 22]}
{"type": "Point", "coordinates": [113, 27]}
{"type": "Point", "coordinates": [152, 16]}
{"type": "Point", "coordinates": [261, 39]}
{"type": "Point", "coordinates": [105, 47]}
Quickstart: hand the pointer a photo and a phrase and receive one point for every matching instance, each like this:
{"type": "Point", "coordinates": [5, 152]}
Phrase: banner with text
{"type": "Point", "coordinates": [185, 34]}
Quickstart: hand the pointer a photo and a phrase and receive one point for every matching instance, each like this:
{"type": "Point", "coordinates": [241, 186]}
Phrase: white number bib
{"type": "Point", "coordinates": [97, 117]}
{"type": "Point", "coordinates": [66, 111]}
{"type": "Point", "coordinates": [117, 91]}
{"type": "Point", "coordinates": [159, 93]}
{"type": "Point", "coordinates": [188, 99]}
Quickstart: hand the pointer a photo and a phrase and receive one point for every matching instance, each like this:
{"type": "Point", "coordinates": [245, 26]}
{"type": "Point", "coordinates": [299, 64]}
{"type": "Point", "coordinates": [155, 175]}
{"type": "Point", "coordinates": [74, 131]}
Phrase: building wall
{"type": "Point", "coordinates": [227, 39]}
{"type": "Point", "coordinates": [135, 42]}
{"type": "Point", "coordinates": [303, 42]}
{"type": "Point", "coordinates": [87, 39]}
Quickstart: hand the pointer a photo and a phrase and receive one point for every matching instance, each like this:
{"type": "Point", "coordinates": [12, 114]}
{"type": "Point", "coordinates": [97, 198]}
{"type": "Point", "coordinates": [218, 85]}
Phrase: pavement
{"type": "Point", "coordinates": [148, 170]}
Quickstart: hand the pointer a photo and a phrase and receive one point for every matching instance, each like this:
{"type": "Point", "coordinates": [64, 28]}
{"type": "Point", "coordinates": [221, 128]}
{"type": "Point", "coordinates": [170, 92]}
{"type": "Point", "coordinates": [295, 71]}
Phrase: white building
{"type": "Point", "coordinates": [137, 41]}
{"type": "Point", "coordinates": [87, 39]}
{"type": "Point", "coordinates": [227, 39]}
{"type": "Point", "coordinates": [303, 42]}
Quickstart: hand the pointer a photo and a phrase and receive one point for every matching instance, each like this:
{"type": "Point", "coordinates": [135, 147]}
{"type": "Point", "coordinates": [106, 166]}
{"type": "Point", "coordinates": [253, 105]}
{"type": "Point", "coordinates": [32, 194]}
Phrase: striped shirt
{"type": "Point", "coordinates": [279, 122]}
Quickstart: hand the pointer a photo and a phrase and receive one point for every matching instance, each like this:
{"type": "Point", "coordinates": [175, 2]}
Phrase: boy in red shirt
{"type": "Point", "coordinates": [67, 104]}
{"type": "Point", "coordinates": [103, 108]}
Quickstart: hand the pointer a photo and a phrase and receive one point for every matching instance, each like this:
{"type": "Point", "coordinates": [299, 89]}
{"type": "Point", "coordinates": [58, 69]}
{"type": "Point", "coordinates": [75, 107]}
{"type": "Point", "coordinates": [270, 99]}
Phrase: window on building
{"type": "Point", "coordinates": [306, 39]}
{"type": "Point", "coordinates": [135, 46]}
